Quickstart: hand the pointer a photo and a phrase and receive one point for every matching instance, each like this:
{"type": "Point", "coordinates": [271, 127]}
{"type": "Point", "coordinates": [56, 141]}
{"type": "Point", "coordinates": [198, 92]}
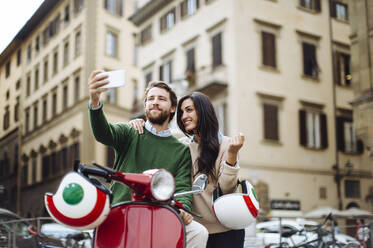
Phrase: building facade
{"type": "Point", "coordinates": [45, 72]}
{"type": "Point", "coordinates": [278, 71]}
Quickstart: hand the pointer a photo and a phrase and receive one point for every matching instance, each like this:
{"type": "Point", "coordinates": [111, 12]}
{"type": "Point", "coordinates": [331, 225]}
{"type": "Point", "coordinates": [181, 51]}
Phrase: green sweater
{"type": "Point", "coordinates": [135, 153]}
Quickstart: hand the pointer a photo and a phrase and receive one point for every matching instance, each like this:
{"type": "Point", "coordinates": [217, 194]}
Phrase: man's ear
{"type": "Point", "coordinates": [173, 109]}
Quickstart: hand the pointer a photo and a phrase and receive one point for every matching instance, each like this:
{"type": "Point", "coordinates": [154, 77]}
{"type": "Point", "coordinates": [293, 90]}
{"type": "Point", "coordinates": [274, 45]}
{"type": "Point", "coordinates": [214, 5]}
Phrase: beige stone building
{"type": "Point", "coordinates": [44, 74]}
{"type": "Point", "coordinates": [278, 71]}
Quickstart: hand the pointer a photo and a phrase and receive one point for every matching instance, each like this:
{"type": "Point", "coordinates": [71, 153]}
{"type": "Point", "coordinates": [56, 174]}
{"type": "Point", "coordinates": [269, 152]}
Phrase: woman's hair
{"type": "Point", "coordinates": [207, 130]}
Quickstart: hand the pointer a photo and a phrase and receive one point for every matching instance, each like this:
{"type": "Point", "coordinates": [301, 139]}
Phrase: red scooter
{"type": "Point", "coordinates": [151, 219]}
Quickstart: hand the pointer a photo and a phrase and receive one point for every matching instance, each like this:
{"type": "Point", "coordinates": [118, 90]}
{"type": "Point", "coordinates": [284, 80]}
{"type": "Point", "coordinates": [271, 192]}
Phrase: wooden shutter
{"type": "Point", "coordinates": [340, 133]}
{"type": "Point", "coordinates": [338, 58]}
{"type": "Point", "coordinates": [161, 72]}
{"type": "Point", "coordinates": [317, 5]}
{"type": "Point", "coordinates": [302, 128]}
{"type": "Point", "coordinates": [360, 146]}
{"type": "Point", "coordinates": [268, 49]}
{"type": "Point", "coordinates": [191, 60]}
{"type": "Point", "coordinates": [183, 8]}
{"type": "Point", "coordinates": [216, 50]}
{"type": "Point", "coordinates": [270, 121]}
{"type": "Point", "coordinates": [163, 22]}
{"type": "Point", "coordinates": [347, 74]}
{"type": "Point", "coordinates": [323, 131]}
{"type": "Point", "coordinates": [333, 12]}
{"type": "Point", "coordinates": [120, 7]}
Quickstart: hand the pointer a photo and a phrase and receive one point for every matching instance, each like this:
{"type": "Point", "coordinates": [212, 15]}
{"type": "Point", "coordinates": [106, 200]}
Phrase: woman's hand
{"type": "Point", "coordinates": [235, 144]}
{"type": "Point", "coordinates": [138, 125]}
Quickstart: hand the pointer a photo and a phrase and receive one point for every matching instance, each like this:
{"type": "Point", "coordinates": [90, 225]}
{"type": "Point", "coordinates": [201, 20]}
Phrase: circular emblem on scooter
{"type": "Point", "coordinates": [78, 203]}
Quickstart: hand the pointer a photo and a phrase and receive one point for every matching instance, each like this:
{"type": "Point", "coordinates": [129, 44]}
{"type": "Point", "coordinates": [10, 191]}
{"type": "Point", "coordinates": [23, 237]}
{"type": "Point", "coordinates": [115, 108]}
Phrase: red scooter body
{"type": "Point", "coordinates": [139, 225]}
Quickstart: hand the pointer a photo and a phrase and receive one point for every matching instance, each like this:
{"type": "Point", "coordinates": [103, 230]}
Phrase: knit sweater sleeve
{"type": "Point", "coordinates": [107, 133]}
{"type": "Point", "coordinates": [228, 175]}
{"type": "Point", "coordinates": [183, 179]}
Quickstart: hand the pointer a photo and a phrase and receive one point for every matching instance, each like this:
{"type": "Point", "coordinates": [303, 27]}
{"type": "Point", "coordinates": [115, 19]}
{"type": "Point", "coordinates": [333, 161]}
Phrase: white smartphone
{"type": "Point", "coordinates": [116, 78]}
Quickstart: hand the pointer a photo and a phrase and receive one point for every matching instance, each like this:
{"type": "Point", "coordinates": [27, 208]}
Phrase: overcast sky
{"type": "Point", "coordinates": [13, 16]}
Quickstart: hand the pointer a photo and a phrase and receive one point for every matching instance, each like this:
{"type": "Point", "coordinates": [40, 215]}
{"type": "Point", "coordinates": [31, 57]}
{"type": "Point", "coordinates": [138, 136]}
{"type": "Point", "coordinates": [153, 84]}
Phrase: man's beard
{"type": "Point", "coordinates": [159, 119]}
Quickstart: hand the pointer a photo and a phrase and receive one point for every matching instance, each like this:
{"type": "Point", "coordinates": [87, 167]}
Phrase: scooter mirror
{"type": "Point", "coordinates": [199, 184]}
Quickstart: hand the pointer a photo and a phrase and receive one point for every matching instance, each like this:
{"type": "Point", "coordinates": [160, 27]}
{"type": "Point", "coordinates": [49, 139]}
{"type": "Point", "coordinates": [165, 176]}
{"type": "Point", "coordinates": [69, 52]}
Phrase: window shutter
{"type": "Point", "coordinates": [302, 128]}
{"type": "Point", "coordinates": [333, 9]}
{"type": "Point", "coordinates": [324, 131]}
{"type": "Point", "coordinates": [340, 134]}
{"type": "Point", "coordinates": [270, 122]}
{"type": "Point", "coordinates": [190, 60]}
{"type": "Point", "coordinates": [183, 8]}
{"type": "Point", "coordinates": [347, 73]}
{"type": "Point", "coordinates": [216, 50]}
{"type": "Point", "coordinates": [170, 72]}
{"type": "Point", "coordinates": [161, 72]}
{"type": "Point", "coordinates": [268, 49]}
{"type": "Point", "coordinates": [360, 146]}
{"type": "Point", "coordinates": [317, 5]}
{"type": "Point", "coordinates": [120, 7]}
{"type": "Point", "coordinates": [197, 3]}
{"type": "Point", "coordinates": [338, 59]}
{"type": "Point", "coordinates": [163, 22]}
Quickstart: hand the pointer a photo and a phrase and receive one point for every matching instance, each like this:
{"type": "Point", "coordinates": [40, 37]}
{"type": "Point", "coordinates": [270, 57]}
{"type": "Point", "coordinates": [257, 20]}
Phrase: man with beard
{"type": "Point", "coordinates": [156, 148]}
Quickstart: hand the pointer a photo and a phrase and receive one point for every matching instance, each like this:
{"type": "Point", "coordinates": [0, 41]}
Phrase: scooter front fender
{"type": "Point", "coordinates": [141, 225]}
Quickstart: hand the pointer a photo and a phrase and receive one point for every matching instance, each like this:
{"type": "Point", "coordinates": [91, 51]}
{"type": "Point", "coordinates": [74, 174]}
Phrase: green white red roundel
{"type": "Point", "coordinates": [78, 203]}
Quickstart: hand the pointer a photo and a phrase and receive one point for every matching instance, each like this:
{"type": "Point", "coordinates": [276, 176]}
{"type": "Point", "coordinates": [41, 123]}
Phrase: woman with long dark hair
{"type": "Point", "coordinates": [212, 154]}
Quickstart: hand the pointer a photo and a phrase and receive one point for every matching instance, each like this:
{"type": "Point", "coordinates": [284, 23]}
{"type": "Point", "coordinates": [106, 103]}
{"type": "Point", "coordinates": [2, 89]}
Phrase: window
{"type": "Point", "coordinates": [25, 174]}
{"type": "Point", "coordinates": [78, 44]}
{"type": "Point", "coordinates": [65, 96]}
{"type": "Point", "coordinates": [35, 115]}
{"type": "Point", "coordinates": [148, 78]}
{"type": "Point", "coordinates": [45, 162]}
{"type": "Point", "coordinates": [146, 34]}
{"type": "Point", "coordinates": [66, 53]}
{"type": "Point", "coordinates": [29, 53]}
{"type": "Point", "coordinates": [343, 73]}
{"type": "Point", "coordinates": [165, 72]}
{"type": "Point", "coordinates": [221, 114]}
{"type": "Point", "coordinates": [7, 69]}
{"type": "Point", "coordinates": [268, 49]}
{"type": "Point", "coordinates": [56, 23]}
{"type": "Point", "coordinates": [54, 103]}
{"type": "Point", "coordinates": [16, 110]}
{"type": "Point", "coordinates": [28, 85]}
{"type": "Point", "coordinates": [217, 50]}
{"type": "Point", "coordinates": [19, 57]}
{"type": "Point", "coordinates": [27, 120]}
{"type": "Point", "coordinates": [270, 117]}
{"type": "Point", "coordinates": [36, 83]}
{"type": "Point", "coordinates": [77, 88]}
{"type": "Point", "coordinates": [6, 118]}
{"type": "Point", "coordinates": [34, 164]}
{"type": "Point", "coordinates": [45, 75]}
{"type": "Point", "coordinates": [188, 7]}
{"type": "Point", "coordinates": [313, 129]}
{"type": "Point", "coordinates": [111, 44]}
{"type": "Point", "coordinates": [191, 67]}
{"type": "Point", "coordinates": [45, 36]}
{"type": "Point", "coordinates": [37, 44]}
{"type": "Point", "coordinates": [78, 6]}
{"type": "Point", "coordinates": [55, 62]}
{"type": "Point", "coordinates": [339, 11]}
{"type": "Point", "coordinates": [310, 66]}
{"type": "Point", "coordinates": [66, 19]}
{"type": "Point", "coordinates": [352, 189]}
{"type": "Point", "coordinates": [311, 4]}
{"type": "Point", "coordinates": [18, 84]}
{"type": "Point", "coordinates": [322, 193]}
{"type": "Point", "coordinates": [346, 138]}
{"type": "Point", "coordinates": [168, 20]}
{"type": "Point", "coordinates": [45, 108]}
{"type": "Point", "coordinates": [115, 7]}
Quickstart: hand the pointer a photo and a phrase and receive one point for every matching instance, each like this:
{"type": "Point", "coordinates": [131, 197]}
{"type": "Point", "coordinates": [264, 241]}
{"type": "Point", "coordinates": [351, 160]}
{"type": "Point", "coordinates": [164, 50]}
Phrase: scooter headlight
{"type": "Point", "coordinates": [162, 185]}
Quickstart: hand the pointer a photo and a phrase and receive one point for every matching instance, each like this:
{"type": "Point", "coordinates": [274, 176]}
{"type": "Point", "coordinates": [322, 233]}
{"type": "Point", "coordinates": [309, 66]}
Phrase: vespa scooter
{"type": "Point", "coordinates": [151, 219]}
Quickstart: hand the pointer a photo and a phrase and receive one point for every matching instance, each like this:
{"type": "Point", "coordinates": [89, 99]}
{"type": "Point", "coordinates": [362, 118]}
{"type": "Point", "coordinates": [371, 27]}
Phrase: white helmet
{"type": "Point", "coordinates": [79, 203]}
{"type": "Point", "coordinates": [236, 210]}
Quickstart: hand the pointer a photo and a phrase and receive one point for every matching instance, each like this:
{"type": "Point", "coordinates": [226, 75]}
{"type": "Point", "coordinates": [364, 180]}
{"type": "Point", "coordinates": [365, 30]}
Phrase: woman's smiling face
{"type": "Point", "coordinates": [189, 115]}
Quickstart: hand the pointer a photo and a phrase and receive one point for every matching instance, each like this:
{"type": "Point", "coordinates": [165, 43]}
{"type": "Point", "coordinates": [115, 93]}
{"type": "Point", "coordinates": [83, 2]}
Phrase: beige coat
{"type": "Point", "coordinates": [227, 179]}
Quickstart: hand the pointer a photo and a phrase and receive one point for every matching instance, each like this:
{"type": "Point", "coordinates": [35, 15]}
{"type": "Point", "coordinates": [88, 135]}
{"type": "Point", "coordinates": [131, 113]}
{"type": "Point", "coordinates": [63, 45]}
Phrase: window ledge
{"type": "Point", "coordinates": [351, 153]}
{"type": "Point", "coordinates": [311, 11]}
{"type": "Point", "coordinates": [218, 68]}
{"type": "Point", "coordinates": [310, 78]}
{"type": "Point", "coordinates": [313, 148]}
{"type": "Point", "coordinates": [268, 68]}
{"type": "Point", "coordinates": [271, 142]}
{"type": "Point", "coordinates": [341, 20]}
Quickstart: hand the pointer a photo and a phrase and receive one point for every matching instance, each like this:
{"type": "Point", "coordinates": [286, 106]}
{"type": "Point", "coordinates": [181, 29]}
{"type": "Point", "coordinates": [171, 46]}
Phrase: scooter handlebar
{"type": "Point", "coordinates": [88, 170]}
